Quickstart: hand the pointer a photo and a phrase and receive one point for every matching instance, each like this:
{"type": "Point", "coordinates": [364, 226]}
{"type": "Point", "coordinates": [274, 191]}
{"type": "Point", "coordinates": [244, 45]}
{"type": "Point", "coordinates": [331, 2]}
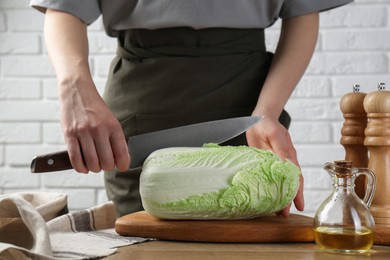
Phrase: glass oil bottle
{"type": "Point", "coordinates": [343, 223]}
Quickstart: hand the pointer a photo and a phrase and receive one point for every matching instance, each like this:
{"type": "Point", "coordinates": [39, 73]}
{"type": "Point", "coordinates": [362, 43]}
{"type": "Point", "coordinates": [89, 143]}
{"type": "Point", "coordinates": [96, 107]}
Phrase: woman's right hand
{"type": "Point", "coordinates": [93, 135]}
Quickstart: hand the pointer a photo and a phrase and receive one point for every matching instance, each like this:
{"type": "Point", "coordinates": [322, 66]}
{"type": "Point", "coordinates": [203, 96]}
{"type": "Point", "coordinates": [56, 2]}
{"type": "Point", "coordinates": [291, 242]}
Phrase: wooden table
{"type": "Point", "coordinates": [161, 250]}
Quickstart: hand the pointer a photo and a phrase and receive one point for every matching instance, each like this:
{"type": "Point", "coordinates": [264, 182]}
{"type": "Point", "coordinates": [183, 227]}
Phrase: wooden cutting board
{"type": "Point", "coordinates": [294, 228]}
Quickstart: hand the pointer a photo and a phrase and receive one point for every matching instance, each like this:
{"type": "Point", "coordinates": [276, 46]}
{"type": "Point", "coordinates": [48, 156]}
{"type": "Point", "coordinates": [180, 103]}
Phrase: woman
{"type": "Point", "coordinates": [178, 62]}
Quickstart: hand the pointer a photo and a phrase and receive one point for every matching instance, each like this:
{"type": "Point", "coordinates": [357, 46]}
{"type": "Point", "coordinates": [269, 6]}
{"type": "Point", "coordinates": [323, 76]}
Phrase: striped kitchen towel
{"type": "Point", "coordinates": [38, 226]}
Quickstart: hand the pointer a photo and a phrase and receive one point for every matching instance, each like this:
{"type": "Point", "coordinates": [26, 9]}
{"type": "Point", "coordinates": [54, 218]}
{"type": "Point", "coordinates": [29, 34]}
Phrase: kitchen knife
{"type": "Point", "coordinates": [140, 146]}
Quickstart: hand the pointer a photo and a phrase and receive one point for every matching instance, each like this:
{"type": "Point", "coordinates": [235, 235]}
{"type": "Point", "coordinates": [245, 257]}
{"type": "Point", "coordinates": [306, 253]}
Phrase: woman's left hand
{"type": "Point", "coordinates": [269, 134]}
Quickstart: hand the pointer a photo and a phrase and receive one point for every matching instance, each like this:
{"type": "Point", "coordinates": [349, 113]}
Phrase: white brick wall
{"type": "Point", "coordinates": [353, 48]}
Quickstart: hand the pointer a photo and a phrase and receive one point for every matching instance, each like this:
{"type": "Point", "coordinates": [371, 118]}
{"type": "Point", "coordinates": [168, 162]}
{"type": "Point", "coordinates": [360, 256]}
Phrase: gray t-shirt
{"type": "Point", "coordinates": [153, 14]}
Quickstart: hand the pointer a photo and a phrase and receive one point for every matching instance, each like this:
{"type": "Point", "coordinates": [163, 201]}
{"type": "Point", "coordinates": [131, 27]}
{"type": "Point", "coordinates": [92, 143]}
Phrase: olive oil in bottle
{"type": "Point", "coordinates": [339, 239]}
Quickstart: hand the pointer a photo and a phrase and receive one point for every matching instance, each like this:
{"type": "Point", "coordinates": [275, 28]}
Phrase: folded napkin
{"type": "Point", "coordinates": [38, 226]}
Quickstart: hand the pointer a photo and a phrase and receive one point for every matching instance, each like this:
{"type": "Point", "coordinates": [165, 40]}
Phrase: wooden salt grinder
{"type": "Point", "coordinates": [352, 133]}
{"type": "Point", "coordinates": [377, 106]}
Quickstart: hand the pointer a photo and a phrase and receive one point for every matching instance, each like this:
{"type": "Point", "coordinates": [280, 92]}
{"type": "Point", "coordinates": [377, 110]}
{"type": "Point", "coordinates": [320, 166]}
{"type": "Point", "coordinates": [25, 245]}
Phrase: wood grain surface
{"type": "Point", "coordinates": [294, 228]}
{"type": "Point", "coordinates": [179, 250]}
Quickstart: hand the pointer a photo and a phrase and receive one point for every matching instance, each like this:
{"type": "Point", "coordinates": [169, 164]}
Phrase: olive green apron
{"type": "Point", "coordinates": [171, 77]}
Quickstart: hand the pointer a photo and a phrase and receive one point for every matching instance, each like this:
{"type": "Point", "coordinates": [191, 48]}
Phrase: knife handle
{"type": "Point", "coordinates": [51, 162]}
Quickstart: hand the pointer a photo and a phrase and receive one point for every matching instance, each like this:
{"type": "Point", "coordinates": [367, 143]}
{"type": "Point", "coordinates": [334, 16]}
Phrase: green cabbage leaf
{"type": "Point", "coordinates": [216, 182]}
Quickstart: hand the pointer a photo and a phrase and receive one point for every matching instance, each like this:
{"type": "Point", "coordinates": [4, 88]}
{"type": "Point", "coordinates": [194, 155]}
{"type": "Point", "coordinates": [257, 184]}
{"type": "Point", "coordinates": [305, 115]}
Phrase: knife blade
{"type": "Point", "coordinates": [140, 146]}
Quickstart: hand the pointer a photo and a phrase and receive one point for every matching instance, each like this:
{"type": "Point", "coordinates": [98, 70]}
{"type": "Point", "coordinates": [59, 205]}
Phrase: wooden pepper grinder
{"type": "Point", "coordinates": [352, 133]}
{"type": "Point", "coordinates": [377, 106]}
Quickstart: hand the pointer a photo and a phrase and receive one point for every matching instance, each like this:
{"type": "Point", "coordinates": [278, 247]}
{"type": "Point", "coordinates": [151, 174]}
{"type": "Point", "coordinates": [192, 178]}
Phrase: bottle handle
{"type": "Point", "coordinates": [370, 186]}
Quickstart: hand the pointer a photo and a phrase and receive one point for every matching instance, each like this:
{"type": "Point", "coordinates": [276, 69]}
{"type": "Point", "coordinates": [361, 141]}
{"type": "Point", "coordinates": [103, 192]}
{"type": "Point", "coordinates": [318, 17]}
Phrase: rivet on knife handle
{"type": "Point", "coordinates": [51, 162]}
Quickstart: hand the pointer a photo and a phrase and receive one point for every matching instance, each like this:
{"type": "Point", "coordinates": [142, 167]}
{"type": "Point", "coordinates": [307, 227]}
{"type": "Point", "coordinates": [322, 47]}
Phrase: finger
{"type": "Point", "coordinates": [255, 141]}
{"type": "Point", "coordinates": [283, 147]}
{"type": "Point", "coordinates": [286, 211]}
{"type": "Point", "coordinates": [105, 154]}
{"type": "Point", "coordinates": [90, 155]}
{"type": "Point", "coordinates": [121, 152]}
{"type": "Point", "coordinates": [250, 138]}
{"type": "Point", "coordinates": [75, 155]}
{"type": "Point", "coordinates": [292, 153]}
{"type": "Point", "coordinates": [299, 200]}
